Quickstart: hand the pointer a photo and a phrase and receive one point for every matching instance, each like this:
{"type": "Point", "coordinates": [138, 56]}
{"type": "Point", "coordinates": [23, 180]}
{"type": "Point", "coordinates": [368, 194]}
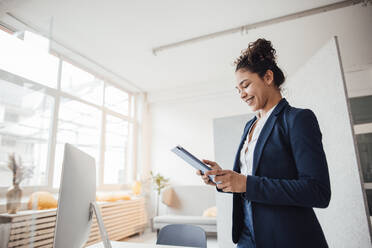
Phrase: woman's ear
{"type": "Point", "coordinates": [269, 77]}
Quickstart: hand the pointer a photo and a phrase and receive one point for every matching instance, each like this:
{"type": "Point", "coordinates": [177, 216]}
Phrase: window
{"type": "Point", "coordinates": [361, 109]}
{"type": "Point", "coordinates": [23, 58]}
{"type": "Point", "coordinates": [116, 150]}
{"type": "Point", "coordinates": [116, 100]}
{"type": "Point", "coordinates": [78, 124]}
{"type": "Point", "coordinates": [82, 84]}
{"type": "Point", "coordinates": [364, 142]}
{"type": "Point", "coordinates": [40, 112]}
{"type": "Point", "coordinates": [25, 119]}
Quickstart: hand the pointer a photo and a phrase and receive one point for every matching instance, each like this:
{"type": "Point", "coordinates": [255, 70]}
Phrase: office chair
{"type": "Point", "coordinates": [182, 235]}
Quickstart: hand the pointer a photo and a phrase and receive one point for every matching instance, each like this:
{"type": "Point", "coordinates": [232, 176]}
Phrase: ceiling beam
{"type": "Point", "coordinates": [245, 28]}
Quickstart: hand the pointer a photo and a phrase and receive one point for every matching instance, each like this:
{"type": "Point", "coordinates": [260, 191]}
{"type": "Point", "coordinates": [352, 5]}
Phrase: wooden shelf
{"type": "Point", "coordinates": [121, 219]}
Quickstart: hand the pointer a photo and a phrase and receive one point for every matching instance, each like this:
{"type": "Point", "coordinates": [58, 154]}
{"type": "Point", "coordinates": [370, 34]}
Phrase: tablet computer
{"type": "Point", "coordinates": [192, 160]}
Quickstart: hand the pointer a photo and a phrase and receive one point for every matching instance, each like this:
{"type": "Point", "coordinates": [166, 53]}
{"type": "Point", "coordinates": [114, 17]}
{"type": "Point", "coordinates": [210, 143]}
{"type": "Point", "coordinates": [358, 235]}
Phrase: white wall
{"type": "Point", "coordinates": [185, 115]}
{"type": "Point", "coordinates": [188, 123]}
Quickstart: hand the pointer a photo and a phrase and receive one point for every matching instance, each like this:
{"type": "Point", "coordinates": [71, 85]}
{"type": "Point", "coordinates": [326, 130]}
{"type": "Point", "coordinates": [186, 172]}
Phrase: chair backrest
{"type": "Point", "coordinates": [182, 235]}
{"type": "Point", "coordinates": [190, 199]}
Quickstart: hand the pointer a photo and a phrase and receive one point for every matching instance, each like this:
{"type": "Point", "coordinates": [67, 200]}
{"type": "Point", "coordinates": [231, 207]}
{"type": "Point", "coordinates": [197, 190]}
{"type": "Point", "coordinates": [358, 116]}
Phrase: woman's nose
{"type": "Point", "coordinates": [243, 94]}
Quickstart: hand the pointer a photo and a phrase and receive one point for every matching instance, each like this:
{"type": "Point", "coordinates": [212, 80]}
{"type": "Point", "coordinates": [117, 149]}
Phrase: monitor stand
{"type": "Point", "coordinates": [94, 208]}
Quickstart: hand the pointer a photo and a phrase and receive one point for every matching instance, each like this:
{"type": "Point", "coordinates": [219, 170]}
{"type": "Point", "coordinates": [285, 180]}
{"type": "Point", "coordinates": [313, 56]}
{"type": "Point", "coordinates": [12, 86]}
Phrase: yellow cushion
{"type": "Point", "coordinates": [112, 197]}
{"type": "Point", "coordinates": [42, 200]}
{"type": "Point", "coordinates": [210, 212]}
{"type": "Point", "coordinates": [136, 188]}
{"type": "Point", "coordinates": [168, 197]}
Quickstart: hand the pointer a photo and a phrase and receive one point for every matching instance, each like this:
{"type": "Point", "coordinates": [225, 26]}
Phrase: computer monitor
{"type": "Point", "coordinates": [77, 192]}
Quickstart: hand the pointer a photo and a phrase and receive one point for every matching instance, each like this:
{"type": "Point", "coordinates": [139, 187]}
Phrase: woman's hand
{"type": "Point", "coordinates": [230, 181]}
{"type": "Point", "coordinates": [214, 166]}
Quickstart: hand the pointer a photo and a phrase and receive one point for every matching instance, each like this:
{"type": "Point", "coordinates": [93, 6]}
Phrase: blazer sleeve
{"type": "Point", "coordinates": [312, 188]}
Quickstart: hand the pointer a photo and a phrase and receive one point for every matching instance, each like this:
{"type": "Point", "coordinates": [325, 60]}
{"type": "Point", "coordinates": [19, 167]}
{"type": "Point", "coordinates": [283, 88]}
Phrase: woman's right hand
{"type": "Point", "coordinates": [214, 166]}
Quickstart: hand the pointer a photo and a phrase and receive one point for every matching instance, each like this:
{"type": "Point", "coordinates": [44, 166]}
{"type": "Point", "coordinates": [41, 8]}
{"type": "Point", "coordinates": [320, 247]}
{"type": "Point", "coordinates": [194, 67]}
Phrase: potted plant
{"type": "Point", "coordinates": [160, 183]}
{"type": "Point", "coordinates": [14, 194]}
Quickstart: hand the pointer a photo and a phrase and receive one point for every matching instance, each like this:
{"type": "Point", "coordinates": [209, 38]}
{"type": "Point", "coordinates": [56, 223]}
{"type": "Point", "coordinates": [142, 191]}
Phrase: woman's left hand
{"type": "Point", "coordinates": [231, 181]}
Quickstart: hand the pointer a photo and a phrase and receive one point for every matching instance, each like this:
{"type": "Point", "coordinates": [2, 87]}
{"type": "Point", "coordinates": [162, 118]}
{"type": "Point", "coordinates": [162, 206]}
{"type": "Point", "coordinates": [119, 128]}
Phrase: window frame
{"type": "Point", "coordinates": [56, 94]}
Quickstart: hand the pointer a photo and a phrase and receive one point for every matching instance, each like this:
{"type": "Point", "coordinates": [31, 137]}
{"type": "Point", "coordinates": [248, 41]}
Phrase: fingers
{"type": "Point", "coordinates": [222, 178]}
{"type": "Point", "coordinates": [224, 187]}
{"type": "Point", "coordinates": [211, 183]}
{"type": "Point", "coordinates": [217, 172]}
{"type": "Point", "coordinates": [231, 182]}
{"type": "Point", "coordinates": [227, 189]}
{"type": "Point", "coordinates": [205, 178]}
{"type": "Point", "coordinates": [225, 181]}
{"type": "Point", "coordinates": [212, 163]}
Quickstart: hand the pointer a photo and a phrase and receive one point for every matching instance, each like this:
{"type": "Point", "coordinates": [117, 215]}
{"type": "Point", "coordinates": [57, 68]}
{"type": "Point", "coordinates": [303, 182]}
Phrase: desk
{"type": "Point", "coordinates": [116, 244]}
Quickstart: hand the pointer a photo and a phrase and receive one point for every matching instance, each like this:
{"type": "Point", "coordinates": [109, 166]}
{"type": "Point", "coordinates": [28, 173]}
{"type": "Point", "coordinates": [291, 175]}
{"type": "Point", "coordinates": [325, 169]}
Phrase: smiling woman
{"type": "Point", "coordinates": [258, 76]}
{"type": "Point", "coordinates": [280, 171]}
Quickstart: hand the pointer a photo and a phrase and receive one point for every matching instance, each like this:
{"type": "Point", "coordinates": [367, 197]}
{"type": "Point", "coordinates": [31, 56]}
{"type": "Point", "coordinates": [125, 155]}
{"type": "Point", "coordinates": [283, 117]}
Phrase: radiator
{"type": "Point", "coordinates": [121, 219]}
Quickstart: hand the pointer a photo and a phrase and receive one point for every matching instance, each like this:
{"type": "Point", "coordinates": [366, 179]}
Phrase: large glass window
{"type": "Point", "coordinates": [81, 83]}
{"type": "Point", "coordinates": [79, 125]}
{"type": "Point", "coordinates": [39, 114]}
{"type": "Point", "coordinates": [25, 59]}
{"type": "Point", "coordinates": [116, 150]}
{"type": "Point", "coordinates": [25, 120]}
{"type": "Point", "coordinates": [116, 100]}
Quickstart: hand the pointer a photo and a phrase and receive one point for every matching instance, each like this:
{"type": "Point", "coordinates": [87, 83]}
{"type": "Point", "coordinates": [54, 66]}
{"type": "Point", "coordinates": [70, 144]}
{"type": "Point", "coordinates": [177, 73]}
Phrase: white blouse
{"type": "Point", "coordinates": [246, 158]}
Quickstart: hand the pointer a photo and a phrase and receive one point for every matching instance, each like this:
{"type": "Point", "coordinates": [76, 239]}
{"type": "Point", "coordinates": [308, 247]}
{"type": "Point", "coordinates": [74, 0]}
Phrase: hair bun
{"type": "Point", "coordinates": [259, 57]}
{"type": "Point", "coordinates": [260, 51]}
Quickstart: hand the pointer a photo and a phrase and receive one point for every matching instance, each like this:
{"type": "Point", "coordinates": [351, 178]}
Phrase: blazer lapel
{"type": "Point", "coordinates": [237, 156]}
{"type": "Point", "coordinates": [265, 132]}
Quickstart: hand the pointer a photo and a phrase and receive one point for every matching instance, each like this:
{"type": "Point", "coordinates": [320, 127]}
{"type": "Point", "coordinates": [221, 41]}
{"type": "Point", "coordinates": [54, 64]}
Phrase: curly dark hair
{"type": "Point", "coordinates": [259, 57]}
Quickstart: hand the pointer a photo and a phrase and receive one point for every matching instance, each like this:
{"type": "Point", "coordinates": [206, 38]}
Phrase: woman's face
{"type": "Point", "coordinates": [253, 90]}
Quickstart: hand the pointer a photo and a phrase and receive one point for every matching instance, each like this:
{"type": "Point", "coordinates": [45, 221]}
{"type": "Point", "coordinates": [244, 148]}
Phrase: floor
{"type": "Point", "coordinates": [150, 237]}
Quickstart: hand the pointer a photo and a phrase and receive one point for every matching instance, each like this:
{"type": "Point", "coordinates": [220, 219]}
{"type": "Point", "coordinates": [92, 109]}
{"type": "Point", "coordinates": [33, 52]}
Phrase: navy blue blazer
{"type": "Point", "coordinates": [290, 177]}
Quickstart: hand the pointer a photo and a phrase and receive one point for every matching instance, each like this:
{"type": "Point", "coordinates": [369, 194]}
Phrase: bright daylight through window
{"type": "Point", "coordinates": [46, 101]}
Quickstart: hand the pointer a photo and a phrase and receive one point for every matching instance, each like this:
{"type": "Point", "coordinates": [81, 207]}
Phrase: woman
{"type": "Point", "coordinates": [280, 171]}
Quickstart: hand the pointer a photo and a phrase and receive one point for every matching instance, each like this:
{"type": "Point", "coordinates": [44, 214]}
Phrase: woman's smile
{"type": "Point", "coordinates": [249, 100]}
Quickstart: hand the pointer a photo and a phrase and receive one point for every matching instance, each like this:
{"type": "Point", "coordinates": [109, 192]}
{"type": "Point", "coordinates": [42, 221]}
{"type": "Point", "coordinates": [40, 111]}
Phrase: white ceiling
{"type": "Point", "coordinates": [120, 34]}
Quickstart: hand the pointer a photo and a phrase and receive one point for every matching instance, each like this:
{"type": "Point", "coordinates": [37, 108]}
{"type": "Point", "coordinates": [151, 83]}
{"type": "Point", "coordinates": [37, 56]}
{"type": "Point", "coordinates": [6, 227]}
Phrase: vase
{"type": "Point", "coordinates": [13, 199]}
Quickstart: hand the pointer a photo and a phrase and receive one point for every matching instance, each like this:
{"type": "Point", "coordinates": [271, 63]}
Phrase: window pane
{"type": "Point", "coordinates": [369, 200]}
{"type": "Point", "coordinates": [27, 60]}
{"type": "Point", "coordinates": [79, 125]}
{"type": "Point", "coordinates": [364, 142]}
{"type": "Point", "coordinates": [361, 109]}
{"type": "Point", "coordinates": [116, 100]}
{"type": "Point", "coordinates": [116, 152]}
{"type": "Point", "coordinates": [81, 83]}
{"type": "Point", "coordinates": [132, 106]}
{"type": "Point", "coordinates": [25, 119]}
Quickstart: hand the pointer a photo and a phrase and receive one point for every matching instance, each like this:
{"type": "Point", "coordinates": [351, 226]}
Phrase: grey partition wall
{"type": "Point", "coordinates": [227, 133]}
{"type": "Point", "coordinates": [319, 85]}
